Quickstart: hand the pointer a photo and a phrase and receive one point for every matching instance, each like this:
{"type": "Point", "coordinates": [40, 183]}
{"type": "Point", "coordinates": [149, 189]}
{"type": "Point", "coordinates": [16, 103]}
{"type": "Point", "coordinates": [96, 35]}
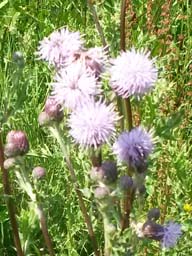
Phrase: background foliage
{"type": "Point", "coordinates": [166, 31]}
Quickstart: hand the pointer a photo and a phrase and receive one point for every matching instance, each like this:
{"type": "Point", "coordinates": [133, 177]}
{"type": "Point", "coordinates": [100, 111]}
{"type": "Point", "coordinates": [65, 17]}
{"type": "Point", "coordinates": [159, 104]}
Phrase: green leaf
{"type": "Point", "coordinates": [3, 3]}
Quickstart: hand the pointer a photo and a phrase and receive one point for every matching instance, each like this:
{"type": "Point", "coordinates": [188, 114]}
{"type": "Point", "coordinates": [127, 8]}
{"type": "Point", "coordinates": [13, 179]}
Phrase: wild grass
{"type": "Point", "coordinates": [166, 31]}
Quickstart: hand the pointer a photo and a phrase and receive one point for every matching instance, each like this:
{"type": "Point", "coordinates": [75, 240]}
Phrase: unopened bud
{"type": "Point", "coordinates": [107, 172]}
{"type": "Point", "coordinates": [101, 192]}
{"type": "Point", "coordinates": [53, 110]}
{"type": "Point", "coordinates": [125, 182]}
{"type": "Point", "coordinates": [17, 144]}
{"type": "Point", "coordinates": [153, 230]}
{"type": "Point", "coordinates": [153, 214]}
{"type": "Point", "coordinates": [38, 172]}
{"type": "Point", "coordinates": [9, 163]}
{"type": "Point", "coordinates": [43, 119]}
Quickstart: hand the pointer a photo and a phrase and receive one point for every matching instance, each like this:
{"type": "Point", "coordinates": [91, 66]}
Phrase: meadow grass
{"type": "Point", "coordinates": [168, 35]}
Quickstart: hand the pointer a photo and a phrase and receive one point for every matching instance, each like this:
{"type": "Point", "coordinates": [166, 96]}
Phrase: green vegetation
{"type": "Point", "coordinates": [166, 30]}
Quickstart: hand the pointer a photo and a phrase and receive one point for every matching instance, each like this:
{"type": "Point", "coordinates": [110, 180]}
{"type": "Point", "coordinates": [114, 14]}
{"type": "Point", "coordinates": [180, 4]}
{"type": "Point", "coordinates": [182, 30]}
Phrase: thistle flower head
{"type": "Point", "coordinates": [93, 123]}
{"type": "Point", "coordinates": [94, 60]}
{"type": "Point", "coordinates": [133, 73]}
{"type": "Point", "coordinates": [73, 86]}
{"type": "Point", "coordinates": [133, 147]}
{"type": "Point", "coordinates": [172, 232]}
{"type": "Point", "coordinates": [17, 144]}
{"type": "Point", "coordinates": [58, 46]}
{"type": "Point", "coordinates": [167, 234]}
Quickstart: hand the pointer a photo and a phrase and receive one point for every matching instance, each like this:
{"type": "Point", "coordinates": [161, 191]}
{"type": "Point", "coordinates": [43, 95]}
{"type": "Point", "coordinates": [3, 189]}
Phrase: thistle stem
{"type": "Point", "coordinates": [25, 184]}
{"type": "Point", "coordinates": [56, 133]}
{"type": "Point", "coordinates": [108, 246]}
{"type": "Point", "coordinates": [128, 196]}
{"type": "Point", "coordinates": [10, 205]}
{"type": "Point", "coordinates": [128, 112]}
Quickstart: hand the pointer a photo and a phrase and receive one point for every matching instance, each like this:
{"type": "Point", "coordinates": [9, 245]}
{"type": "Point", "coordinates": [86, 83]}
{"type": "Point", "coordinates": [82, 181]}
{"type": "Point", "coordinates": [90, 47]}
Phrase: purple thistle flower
{"type": "Point", "coordinates": [172, 232]}
{"type": "Point", "coordinates": [167, 235]}
{"type": "Point", "coordinates": [58, 46]}
{"type": "Point", "coordinates": [93, 59]}
{"type": "Point", "coordinates": [93, 123]}
{"type": "Point", "coordinates": [133, 147]}
{"type": "Point", "coordinates": [73, 86]}
{"type": "Point", "coordinates": [133, 73]}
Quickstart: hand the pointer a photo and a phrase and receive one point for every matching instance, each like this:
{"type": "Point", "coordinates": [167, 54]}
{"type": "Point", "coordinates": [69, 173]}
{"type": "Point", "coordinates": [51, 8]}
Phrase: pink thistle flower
{"type": "Point", "coordinates": [133, 73]}
{"type": "Point", "coordinates": [93, 123]}
{"type": "Point", "coordinates": [133, 147]}
{"type": "Point", "coordinates": [73, 86]}
{"type": "Point", "coordinates": [58, 46]}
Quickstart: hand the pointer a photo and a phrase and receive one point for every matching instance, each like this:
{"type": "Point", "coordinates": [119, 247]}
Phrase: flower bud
{"type": "Point", "coordinates": [53, 110]}
{"type": "Point", "coordinates": [17, 144]}
{"type": "Point", "coordinates": [43, 119]}
{"type": "Point", "coordinates": [101, 192]}
{"type": "Point", "coordinates": [153, 230]}
{"type": "Point", "coordinates": [9, 163]}
{"type": "Point", "coordinates": [38, 172]}
{"type": "Point", "coordinates": [125, 182]}
{"type": "Point", "coordinates": [153, 214]}
{"type": "Point", "coordinates": [107, 172]}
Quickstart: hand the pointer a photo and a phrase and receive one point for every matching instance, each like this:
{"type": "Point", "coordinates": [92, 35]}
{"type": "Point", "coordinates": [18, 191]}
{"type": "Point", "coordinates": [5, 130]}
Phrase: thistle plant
{"type": "Point", "coordinates": [93, 123]}
{"type": "Point", "coordinates": [82, 115]}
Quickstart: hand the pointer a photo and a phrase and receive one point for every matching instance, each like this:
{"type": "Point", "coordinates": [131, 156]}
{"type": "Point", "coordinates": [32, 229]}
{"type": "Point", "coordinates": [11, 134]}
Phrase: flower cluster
{"type": "Point", "coordinates": [77, 87]}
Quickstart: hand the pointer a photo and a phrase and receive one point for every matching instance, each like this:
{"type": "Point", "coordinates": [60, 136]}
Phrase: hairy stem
{"type": "Point", "coordinates": [44, 229]}
{"type": "Point", "coordinates": [25, 184]}
{"type": "Point", "coordinates": [56, 133]}
{"type": "Point", "coordinates": [10, 205]}
{"type": "Point", "coordinates": [127, 203]}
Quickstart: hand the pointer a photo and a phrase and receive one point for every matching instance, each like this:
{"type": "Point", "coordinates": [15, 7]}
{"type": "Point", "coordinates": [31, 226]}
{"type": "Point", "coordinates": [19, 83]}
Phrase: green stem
{"type": "Point", "coordinates": [10, 205]}
{"type": "Point", "coordinates": [120, 109]}
{"type": "Point", "coordinates": [57, 134]}
{"type": "Point", "coordinates": [97, 23]}
{"type": "Point", "coordinates": [128, 112]}
{"type": "Point", "coordinates": [25, 184]}
{"type": "Point", "coordinates": [108, 246]}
